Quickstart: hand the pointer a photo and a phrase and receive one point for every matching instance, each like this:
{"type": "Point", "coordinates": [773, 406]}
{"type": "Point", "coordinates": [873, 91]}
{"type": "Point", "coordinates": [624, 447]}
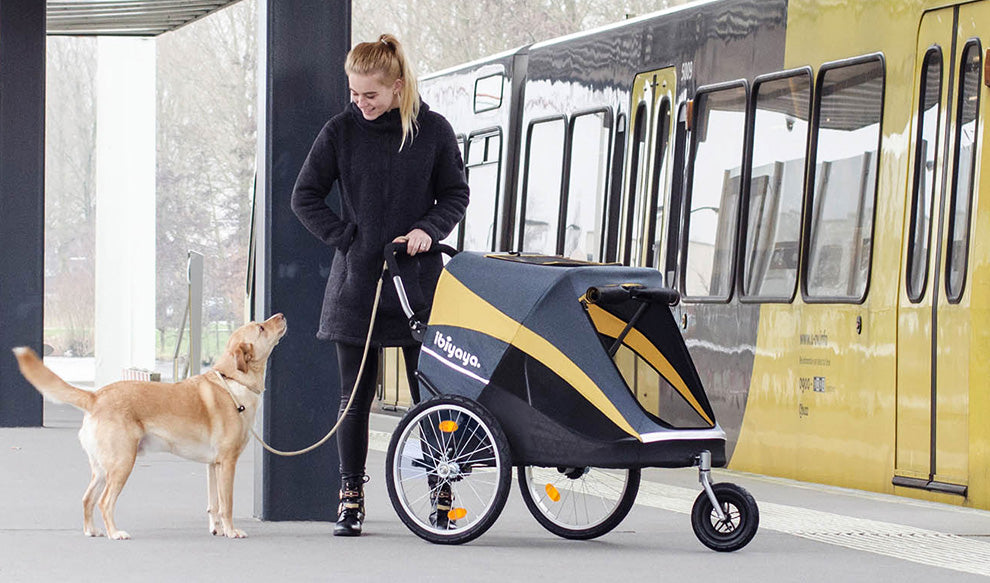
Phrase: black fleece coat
{"type": "Point", "coordinates": [384, 193]}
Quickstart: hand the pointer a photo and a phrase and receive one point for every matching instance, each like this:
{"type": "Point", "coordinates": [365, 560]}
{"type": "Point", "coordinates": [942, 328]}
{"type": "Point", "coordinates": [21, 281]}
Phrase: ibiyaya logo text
{"type": "Point", "coordinates": [445, 344]}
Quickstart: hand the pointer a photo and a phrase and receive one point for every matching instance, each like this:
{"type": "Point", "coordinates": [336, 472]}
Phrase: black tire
{"type": "Point", "coordinates": [743, 518]}
{"type": "Point", "coordinates": [448, 448]}
{"type": "Point", "coordinates": [578, 503]}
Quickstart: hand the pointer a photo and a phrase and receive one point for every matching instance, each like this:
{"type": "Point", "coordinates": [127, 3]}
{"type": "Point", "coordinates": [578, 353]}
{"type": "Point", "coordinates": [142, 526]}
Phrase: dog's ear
{"type": "Point", "coordinates": [243, 354]}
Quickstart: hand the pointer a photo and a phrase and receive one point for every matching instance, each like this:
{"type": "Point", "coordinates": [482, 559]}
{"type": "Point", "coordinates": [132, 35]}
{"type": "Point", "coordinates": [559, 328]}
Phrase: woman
{"type": "Point", "coordinates": [401, 179]}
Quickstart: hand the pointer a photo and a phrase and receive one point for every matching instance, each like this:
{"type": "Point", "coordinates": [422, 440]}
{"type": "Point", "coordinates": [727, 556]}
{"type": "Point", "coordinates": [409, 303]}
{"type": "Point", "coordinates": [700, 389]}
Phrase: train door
{"type": "Point", "coordinates": [933, 348]}
{"type": "Point", "coordinates": [483, 165]}
{"type": "Point", "coordinates": [644, 205]}
{"type": "Point", "coordinates": [648, 166]}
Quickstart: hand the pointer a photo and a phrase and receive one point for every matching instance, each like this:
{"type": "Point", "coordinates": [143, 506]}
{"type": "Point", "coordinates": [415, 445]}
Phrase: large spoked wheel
{"type": "Point", "coordinates": [578, 503]}
{"type": "Point", "coordinates": [448, 470]}
{"type": "Point", "coordinates": [738, 528]}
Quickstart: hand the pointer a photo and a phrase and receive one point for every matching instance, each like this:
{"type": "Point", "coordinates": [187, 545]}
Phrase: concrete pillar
{"type": "Point", "coordinates": [22, 202]}
{"type": "Point", "coordinates": [125, 206]}
{"type": "Point", "coordinates": [302, 45]}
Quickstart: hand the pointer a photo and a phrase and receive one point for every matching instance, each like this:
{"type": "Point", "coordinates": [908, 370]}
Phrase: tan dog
{"type": "Point", "coordinates": [197, 418]}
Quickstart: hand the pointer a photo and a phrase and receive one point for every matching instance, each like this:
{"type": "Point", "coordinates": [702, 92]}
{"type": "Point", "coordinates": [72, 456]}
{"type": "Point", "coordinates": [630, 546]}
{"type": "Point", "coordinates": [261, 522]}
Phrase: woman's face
{"type": "Point", "coordinates": [373, 95]}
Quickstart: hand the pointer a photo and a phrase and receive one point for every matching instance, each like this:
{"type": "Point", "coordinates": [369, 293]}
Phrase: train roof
{"type": "Point", "coordinates": [478, 62]}
{"type": "Point", "coordinates": [629, 22]}
{"type": "Point", "coordinates": [544, 44]}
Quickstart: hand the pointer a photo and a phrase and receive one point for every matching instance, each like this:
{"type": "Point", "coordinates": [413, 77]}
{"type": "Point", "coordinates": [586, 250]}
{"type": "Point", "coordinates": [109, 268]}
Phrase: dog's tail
{"type": "Point", "coordinates": [48, 383]}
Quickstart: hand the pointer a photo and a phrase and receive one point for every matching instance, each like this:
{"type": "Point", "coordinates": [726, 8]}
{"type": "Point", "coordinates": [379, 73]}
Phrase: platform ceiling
{"type": "Point", "coordinates": [126, 17]}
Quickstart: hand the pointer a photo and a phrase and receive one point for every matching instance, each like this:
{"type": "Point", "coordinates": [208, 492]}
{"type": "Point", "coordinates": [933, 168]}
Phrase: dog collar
{"type": "Point", "coordinates": [223, 381]}
{"type": "Point", "coordinates": [248, 387]}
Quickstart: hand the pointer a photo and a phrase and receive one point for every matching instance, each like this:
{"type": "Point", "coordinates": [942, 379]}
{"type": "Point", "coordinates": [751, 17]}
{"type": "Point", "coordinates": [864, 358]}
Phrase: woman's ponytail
{"type": "Point", "coordinates": [385, 56]}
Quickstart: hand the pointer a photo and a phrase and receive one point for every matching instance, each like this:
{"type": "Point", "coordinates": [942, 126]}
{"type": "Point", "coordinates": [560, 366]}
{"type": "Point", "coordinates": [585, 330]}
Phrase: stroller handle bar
{"type": "Point", "coordinates": [618, 294]}
{"type": "Point", "coordinates": [393, 268]}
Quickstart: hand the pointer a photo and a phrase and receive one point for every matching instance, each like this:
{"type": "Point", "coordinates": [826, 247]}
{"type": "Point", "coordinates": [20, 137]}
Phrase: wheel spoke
{"type": "Point", "coordinates": [585, 506]}
{"type": "Point", "coordinates": [470, 455]}
{"type": "Point", "coordinates": [461, 444]}
{"type": "Point", "coordinates": [423, 440]}
{"type": "Point", "coordinates": [418, 476]}
{"type": "Point", "coordinates": [466, 440]}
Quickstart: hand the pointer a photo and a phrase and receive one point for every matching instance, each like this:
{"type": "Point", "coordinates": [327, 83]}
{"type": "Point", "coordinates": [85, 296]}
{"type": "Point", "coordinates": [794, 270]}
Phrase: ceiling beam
{"type": "Point", "coordinates": [127, 17]}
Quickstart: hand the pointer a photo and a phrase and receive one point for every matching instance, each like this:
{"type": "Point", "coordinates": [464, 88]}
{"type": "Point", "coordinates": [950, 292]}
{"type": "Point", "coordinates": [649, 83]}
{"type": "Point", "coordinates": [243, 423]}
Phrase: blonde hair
{"type": "Point", "coordinates": [386, 57]}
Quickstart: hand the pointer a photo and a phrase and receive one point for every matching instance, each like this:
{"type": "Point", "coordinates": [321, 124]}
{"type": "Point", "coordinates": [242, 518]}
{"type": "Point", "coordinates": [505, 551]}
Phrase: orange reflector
{"type": "Point", "coordinates": [552, 493]}
{"type": "Point", "coordinates": [456, 513]}
{"type": "Point", "coordinates": [448, 426]}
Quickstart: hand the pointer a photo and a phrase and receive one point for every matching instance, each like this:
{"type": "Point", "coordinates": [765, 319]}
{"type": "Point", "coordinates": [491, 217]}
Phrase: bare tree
{"type": "Point", "coordinates": [206, 137]}
{"type": "Point", "coordinates": [70, 190]}
{"type": "Point", "coordinates": [206, 144]}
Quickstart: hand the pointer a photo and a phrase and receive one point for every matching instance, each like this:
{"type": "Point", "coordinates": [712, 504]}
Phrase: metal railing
{"type": "Point", "coordinates": [194, 317]}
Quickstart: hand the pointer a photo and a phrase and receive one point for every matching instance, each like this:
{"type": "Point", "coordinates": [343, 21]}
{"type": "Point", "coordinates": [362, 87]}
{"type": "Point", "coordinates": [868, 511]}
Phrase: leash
{"type": "Point", "coordinates": [364, 357]}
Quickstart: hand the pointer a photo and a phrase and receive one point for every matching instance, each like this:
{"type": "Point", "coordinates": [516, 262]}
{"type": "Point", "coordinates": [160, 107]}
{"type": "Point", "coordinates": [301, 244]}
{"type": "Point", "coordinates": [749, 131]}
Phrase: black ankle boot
{"type": "Point", "coordinates": [350, 513]}
{"type": "Point", "coordinates": [442, 501]}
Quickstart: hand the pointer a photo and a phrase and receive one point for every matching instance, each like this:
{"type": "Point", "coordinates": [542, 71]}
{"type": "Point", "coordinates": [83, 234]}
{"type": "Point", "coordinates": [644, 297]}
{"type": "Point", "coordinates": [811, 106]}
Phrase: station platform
{"type": "Point", "coordinates": [807, 533]}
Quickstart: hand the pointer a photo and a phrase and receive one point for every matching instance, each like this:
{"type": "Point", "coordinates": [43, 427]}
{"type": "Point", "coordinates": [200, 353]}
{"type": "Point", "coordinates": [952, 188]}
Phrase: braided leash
{"type": "Point", "coordinates": [364, 357]}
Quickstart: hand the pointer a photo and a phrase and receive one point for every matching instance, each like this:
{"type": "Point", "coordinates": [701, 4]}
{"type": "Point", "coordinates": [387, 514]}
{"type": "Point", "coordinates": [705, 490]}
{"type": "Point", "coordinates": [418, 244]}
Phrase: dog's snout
{"type": "Point", "coordinates": [279, 322]}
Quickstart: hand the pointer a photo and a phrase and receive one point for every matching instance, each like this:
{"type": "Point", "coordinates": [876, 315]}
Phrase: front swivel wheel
{"type": "Point", "coordinates": [736, 528]}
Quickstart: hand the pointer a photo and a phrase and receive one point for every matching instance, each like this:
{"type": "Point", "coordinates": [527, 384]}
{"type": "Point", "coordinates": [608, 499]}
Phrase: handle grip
{"type": "Point", "coordinates": [390, 252]}
{"type": "Point", "coordinates": [618, 294]}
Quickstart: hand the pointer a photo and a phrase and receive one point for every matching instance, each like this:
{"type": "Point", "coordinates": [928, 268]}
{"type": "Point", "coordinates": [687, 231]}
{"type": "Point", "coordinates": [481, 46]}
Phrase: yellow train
{"type": "Point", "coordinates": [807, 173]}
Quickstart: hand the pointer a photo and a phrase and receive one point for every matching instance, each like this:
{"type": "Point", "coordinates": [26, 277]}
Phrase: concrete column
{"type": "Point", "coordinates": [22, 201]}
{"type": "Point", "coordinates": [302, 45]}
{"type": "Point", "coordinates": [125, 206]}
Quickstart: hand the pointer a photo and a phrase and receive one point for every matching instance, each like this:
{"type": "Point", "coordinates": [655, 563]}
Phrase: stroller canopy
{"type": "Point", "coordinates": [486, 304]}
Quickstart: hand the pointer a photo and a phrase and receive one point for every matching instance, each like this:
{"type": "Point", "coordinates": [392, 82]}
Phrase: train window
{"type": "Point", "coordinates": [488, 92]}
{"type": "Point", "coordinates": [659, 184]}
{"type": "Point", "coordinates": [454, 238]}
{"type": "Point", "coordinates": [846, 140]}
{"type": "Point", "coordinates": [613, 205]}
{"type": "Point", "coordinates": [541, 189]}
{"type": "Point", "coordinates": [483, 168]}
{"type": "Point", "coordinates": [713, 194]}
{"type": "Point", "coordinates": [636, 182]}
{"type": "Point", "coordinates": [676, 200]}
{"type": "Point", "coordinates": [962, 179]}
{"type": "Point", "coordinates": [925, 158]}
{"type": "Point", "coordinates": [772, 218]}
{"type": "Point", "coordinates": [591, 134]}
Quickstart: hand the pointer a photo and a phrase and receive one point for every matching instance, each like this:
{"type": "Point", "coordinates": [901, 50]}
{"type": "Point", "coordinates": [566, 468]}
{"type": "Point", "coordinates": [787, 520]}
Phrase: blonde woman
{"type": "Point", "coordinates": [401, 178]}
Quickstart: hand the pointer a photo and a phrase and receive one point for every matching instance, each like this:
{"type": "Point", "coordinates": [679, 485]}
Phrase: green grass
{"type": "Point", "coordinates": [214, 340]}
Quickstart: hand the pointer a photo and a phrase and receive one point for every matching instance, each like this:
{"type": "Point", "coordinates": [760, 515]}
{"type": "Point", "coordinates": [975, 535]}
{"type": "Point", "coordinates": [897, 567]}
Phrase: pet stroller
{"type": "Point", "coordinates": [520, 357]}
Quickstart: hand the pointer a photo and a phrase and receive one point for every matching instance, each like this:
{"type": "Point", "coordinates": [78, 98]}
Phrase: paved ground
{"type": "Point", "coordinates": [808, 532]}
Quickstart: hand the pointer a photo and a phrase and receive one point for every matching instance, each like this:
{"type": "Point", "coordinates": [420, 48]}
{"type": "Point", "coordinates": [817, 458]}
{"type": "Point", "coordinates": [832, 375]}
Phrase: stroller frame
{"type": "Point", "coordinates": [518, 357]}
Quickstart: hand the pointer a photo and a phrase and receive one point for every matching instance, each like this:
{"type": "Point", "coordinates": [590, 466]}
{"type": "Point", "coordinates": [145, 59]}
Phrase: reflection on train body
{"type": "Point", "coordinates": [807, 174]}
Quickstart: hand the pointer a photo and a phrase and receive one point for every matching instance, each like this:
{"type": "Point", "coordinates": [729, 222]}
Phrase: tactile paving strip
{"type": "Point", "coordinates": [918, 545]}
{"type": "Point", "coordinates": [927, 547]}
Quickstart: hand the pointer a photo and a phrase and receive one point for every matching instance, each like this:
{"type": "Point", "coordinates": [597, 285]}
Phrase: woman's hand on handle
{"type": "Point", "coordinates": [417, 241]}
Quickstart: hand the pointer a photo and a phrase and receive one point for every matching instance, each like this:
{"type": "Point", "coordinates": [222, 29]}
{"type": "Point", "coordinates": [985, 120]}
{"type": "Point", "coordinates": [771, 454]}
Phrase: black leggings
{"type": "Point", "coordinates": [352, 435]}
